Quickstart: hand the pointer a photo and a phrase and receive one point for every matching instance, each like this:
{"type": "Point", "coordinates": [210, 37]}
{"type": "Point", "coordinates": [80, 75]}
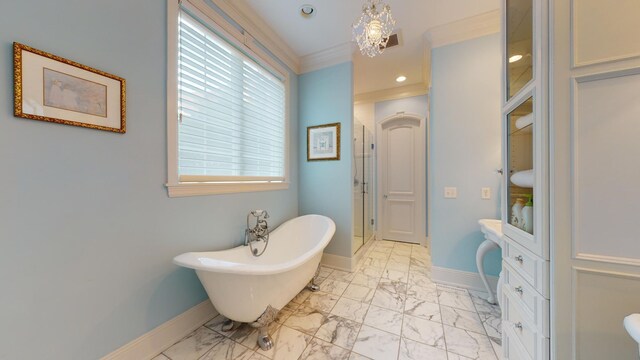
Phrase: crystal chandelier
{"type": "Point", "coordinates": [374, 27]}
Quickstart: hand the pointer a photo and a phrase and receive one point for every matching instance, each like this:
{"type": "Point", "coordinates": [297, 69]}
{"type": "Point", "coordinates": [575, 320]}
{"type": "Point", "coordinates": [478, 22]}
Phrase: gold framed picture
{"type": "Point", "coordinates": [50, 88]}
{"type": "Point", "coordinates": [323, 142]}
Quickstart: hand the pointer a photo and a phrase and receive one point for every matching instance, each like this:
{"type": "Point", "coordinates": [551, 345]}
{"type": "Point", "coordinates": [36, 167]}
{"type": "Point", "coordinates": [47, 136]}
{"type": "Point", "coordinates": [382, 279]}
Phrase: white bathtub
{"type": "Point", "coordinates": [242, 286]}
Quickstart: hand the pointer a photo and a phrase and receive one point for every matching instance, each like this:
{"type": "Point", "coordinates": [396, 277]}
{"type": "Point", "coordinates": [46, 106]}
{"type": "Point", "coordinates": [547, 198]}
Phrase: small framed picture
{"type": "Point", "coordinates": [50, 88]}
{"type": "Point", "coordinates": [323, 142]}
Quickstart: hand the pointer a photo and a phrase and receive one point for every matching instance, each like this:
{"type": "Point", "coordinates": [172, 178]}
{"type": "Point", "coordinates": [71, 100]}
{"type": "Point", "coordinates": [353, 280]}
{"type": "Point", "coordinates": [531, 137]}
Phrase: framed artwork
{"type": "Point", "coordinates": [50, 88]}
{"type": "Point", "coordinates": [323, 142]}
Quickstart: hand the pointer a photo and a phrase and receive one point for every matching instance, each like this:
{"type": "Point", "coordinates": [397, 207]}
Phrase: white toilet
{"type": "Point", "coordinates": [632, 325]}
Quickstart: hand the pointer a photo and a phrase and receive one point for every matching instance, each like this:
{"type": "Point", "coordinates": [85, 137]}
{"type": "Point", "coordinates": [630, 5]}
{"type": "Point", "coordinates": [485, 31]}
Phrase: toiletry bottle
{"type": "Point", "coordinates": [516, 213]}
{"type": "Point", "coordinates": [527, 216]}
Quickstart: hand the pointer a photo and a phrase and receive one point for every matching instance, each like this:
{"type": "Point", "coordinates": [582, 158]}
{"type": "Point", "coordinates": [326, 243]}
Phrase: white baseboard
{"type": "Point", "coordinates": [159, 339]}
{"type": "Point", "coordinates": [337, 262]}
{"type": "Point", "coordinates": [463, 279]}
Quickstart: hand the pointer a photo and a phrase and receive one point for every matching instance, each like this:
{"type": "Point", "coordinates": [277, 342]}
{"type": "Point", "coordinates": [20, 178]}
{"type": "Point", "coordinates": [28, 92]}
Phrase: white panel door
{"type": "Point", "coordinates": [402, 179]}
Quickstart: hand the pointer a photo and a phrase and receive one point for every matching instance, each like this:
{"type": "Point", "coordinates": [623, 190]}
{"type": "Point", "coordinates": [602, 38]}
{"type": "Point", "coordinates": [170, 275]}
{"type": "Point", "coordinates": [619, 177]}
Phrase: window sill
{"type": "Point", "coordinates": [196, 189]}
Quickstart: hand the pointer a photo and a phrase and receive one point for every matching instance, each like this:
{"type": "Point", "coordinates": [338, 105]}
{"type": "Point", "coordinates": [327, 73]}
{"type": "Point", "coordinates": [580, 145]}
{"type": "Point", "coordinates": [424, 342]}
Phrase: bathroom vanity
{"type": "Point", "coordinates": [524, 297]}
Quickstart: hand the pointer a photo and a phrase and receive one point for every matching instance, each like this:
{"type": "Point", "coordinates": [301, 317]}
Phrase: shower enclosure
{"type": "Point", "coordinates": [362, 186]}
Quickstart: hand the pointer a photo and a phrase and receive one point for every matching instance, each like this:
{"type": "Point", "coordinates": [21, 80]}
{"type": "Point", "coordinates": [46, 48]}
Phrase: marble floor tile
{"type": "Point", "coordinates": [395, 275]}
{"type": "Point", "coordinates": [384, 319]}
{"type": "Point", "coordinates": [339, 331]}
{"type": "Point", "coordinates": [228, 349]}
{"type": "Point", "coordinates": [379, 255]}
{"type": "Point", "coordinates": [324, 271]}
{"type": "Point", "coordinates": [388, 308]}
{"type": "Point", "coordinates": [497, 346]}
{"type": "Point", "coordinates": [492, 324]}
{"type": "Point", "coordinates": [194, 345]}
{"type": "Point", "coordinates": [350, 309]}
{"type": "Point", "coordinates": [288, 344]}
{"type": "Point", "coordinates": [333, 286]}
{"type": "Point", "coordinates": [467, 343]}
{"type": "Point", "coordinates": [455, 299]}
{"type": "Point", "coordinates": [215, 324]}
{"type": "Point", "coordinates": [401, 251]}
{"type": "Point", "coordinates": [422, 309]}
{"type": "Point", "coordinates": [412, 350]}
{"type": "Point", "coordinates": [307, 320]}
{"type": "Point", "coordinates": [426, 293]}
{"type": "Point", "coordinates": [356, 356]}
{"type": "Point", "coordinates": [344, 276]}
{"type": "Point", "coordinates": [286, 311]}
{"type": "Point", "coordinates": [366, 280]}
{"type": "Point", "coordinates": [248, 336]}
{"type": "Point", "coordinates": [388, 300]}
{"type": "Point", "coordinates": [376, 263]}
{"type": "Point", "coordinates": [302, 296]}
{"type": "Point", "coordinates": [462, 319]}
{"type": "Point", "coordinates": [453, 356]}
{"type": "Point", "coordinates": [321, 301]}
{"type": "Point", "coordinates": [359, 293]}
{"type": "Point", "coordinates": [423, 331]}
{"type": "Point", "coordinates": [321, 350]}
{"type": "Point", "coordinates": [377, 344]}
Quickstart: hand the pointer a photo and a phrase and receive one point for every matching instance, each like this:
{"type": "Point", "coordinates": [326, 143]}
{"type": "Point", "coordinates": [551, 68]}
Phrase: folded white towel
{"type": "Point", "coordinates": [523, 178]}
{"type": "Point", "coordinates": [524, 121]}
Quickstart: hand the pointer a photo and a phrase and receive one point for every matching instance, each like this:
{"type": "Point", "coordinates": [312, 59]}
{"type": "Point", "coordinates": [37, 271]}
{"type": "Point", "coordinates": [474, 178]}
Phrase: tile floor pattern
{"type": "Point", "coordinates": [389, 308]}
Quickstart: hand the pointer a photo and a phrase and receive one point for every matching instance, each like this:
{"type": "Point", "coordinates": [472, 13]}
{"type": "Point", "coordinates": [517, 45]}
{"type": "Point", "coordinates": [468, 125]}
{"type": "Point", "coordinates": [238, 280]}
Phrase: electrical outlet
{"type": "Point", "coordinates": [450, 193]}
{"type": "Point", "coordinates": [486, 193]}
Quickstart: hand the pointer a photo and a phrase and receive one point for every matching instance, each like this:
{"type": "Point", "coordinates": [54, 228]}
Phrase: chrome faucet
{"type": "Point", "coordinates": [259, 232]}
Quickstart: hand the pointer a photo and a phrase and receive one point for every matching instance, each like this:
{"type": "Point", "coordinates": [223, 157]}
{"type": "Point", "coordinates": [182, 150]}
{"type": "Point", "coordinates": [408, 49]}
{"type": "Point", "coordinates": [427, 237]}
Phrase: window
{"type": "Point", "coordinates": [231, 130]}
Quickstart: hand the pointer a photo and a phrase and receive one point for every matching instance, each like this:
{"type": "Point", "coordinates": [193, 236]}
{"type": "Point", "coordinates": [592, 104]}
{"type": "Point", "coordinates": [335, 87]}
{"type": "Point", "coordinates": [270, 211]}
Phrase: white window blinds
{"type": "Point", "coordinates": [232, 111]}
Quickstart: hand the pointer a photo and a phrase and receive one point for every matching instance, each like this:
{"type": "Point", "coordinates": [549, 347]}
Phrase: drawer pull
{"type": "Point", "coordinates": [518, 326]}
{"type": "Point", "coordinates": [519, 290]}
{"type": "Point", "coordinates": [519, 259]}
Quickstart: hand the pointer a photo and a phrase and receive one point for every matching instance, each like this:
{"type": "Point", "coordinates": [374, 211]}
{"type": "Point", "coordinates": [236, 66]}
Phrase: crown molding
{"type": "Point", "coordinates": [328, 57]}
{"type": "Point", "coordinates": [259, 30]}
{"type": "Point", "coordinates": [392, 93]}
{"type": "Point", "coordinates": [465, 29]}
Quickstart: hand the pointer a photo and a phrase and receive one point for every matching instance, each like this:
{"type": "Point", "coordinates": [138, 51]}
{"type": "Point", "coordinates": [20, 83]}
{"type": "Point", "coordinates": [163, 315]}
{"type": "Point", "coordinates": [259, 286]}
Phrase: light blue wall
{"type": "Point", "coordinates": [326, 96]}
{"type": "Point", "coordinates": [87, 232]}
{"type": "Point", "coordinates": [465, 145]}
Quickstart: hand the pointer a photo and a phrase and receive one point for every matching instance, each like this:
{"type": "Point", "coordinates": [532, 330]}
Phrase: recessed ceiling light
{"type": "Point", "coordinates": [401, 78]}
{"type": "Point", "coordinates": [307, 11]}
{"type": "Point", "coordinates": [515, 58]}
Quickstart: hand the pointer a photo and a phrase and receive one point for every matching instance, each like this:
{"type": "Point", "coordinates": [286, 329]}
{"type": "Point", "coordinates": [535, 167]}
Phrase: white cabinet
{"type": "Point", "coordinates": [525, 293]}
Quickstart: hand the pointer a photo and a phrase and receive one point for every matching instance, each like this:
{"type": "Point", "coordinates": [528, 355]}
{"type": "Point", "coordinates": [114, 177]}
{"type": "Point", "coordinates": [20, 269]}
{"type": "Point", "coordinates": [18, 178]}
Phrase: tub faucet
{"type": "Point", "coordinates": [259, 232]}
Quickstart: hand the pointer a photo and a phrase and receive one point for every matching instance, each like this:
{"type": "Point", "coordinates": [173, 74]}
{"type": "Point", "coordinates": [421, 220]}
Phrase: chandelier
{"type": "Point", "coordinates": [374, 27]}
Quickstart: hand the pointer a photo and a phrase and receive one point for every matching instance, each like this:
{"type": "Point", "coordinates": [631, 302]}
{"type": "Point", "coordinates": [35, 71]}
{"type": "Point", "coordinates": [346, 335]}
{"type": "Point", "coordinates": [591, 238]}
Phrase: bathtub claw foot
{"type": "Point", "coordinates": [230, 325]}
{"type": "Point", "coordinates": [265, 342]}
{"type": "Point", "coordinates": [313, 287]}
{"type": "Point", "coordinates": [313, 284]}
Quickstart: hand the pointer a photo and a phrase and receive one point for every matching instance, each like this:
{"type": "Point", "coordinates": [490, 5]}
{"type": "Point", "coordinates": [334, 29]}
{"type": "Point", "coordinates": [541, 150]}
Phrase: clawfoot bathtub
{"type": "Point", "coordinates": [243, 287]}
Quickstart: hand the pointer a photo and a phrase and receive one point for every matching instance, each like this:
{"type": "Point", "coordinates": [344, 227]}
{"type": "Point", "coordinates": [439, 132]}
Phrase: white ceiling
{"type": "Point", "coordinates": [331, 27]}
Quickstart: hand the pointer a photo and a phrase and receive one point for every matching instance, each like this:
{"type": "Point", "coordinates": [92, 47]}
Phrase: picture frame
{"type": "Point", "coordinates": [54, 89]}
{"type": "Point", "coordinates": [323, 142]}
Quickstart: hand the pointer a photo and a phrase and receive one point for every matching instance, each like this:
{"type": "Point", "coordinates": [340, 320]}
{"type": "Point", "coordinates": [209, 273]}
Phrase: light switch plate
{"type": "Point", "coordinates": [450, 193]}
{"type": "Point", "coordinates": [486, 193]}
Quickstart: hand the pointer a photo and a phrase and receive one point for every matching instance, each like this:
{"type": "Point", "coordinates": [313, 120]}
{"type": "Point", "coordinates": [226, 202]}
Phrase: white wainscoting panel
{"type": "Point", "coordinates": [606, 173]}
{"type": "Point", "coordinates": [605, 30]}
{"type": "Point", "coordinates": [601, 300]}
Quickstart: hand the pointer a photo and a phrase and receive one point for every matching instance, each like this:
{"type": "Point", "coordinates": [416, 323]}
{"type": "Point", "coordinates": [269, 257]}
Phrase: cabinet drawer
{"type": "Point", "coordinates": [512, 349]}
{"type": "Point", "coordinates": [530, 267]}
{"type": "Point", "coordinates": [521, 328]}
{"type": "Point", "coordinates": [534, 306]}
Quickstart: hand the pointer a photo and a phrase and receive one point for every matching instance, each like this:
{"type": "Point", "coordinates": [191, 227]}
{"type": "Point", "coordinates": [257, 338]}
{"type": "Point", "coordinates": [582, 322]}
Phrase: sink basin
{"type": "Point", "coordinates": [492, 229]}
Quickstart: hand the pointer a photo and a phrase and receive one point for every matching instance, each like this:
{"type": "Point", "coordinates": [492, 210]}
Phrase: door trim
{"type": "Point", "coordinates": [421, 198]}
